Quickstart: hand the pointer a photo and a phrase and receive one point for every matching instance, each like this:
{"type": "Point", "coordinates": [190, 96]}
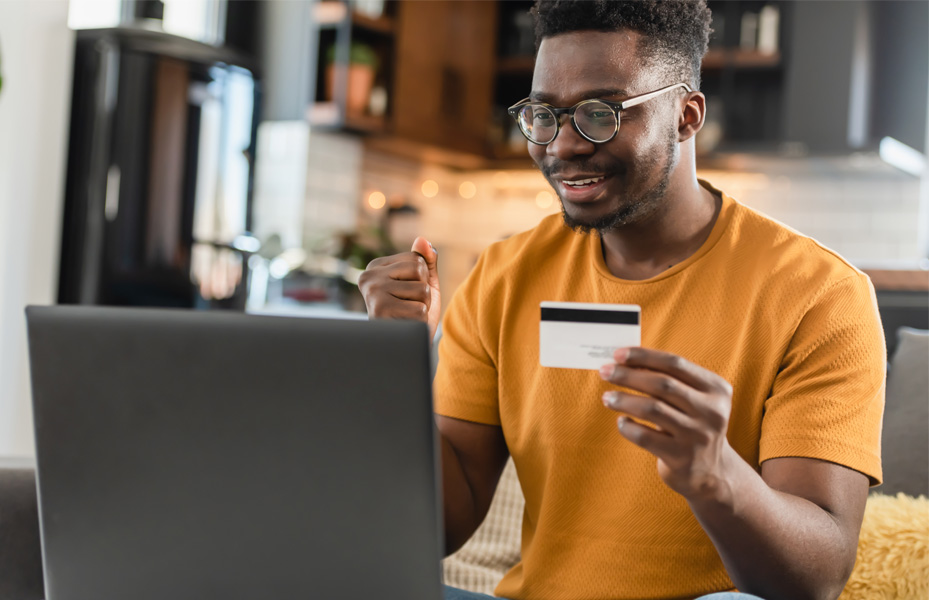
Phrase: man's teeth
{"type": "Point", "coordinates": [578, 182]}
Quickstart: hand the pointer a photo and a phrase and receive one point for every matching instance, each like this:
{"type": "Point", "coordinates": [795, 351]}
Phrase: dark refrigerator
{"type": "Point", "coordinates": [160, 170]}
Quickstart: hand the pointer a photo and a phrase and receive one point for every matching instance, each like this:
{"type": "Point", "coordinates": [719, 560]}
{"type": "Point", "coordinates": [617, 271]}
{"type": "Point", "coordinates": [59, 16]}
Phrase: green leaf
{"type": "Point", "coordinates": [358, 54]}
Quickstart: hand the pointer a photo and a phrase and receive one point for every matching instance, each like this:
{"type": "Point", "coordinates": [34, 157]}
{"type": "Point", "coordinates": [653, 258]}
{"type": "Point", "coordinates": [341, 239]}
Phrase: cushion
{"type": "Point", "coordinates": [905, 438]}
{"type": "Point", "coordinates": [495, 547]}
{"type": "Point", "coordinates": [893, 551]}
{"type": "Point", "coordinates": [20, 545]}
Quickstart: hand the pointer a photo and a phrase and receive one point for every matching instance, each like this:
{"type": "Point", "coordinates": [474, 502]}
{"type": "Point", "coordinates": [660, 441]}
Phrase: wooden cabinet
{"type": "Point", "coordinates": [435, 74]}
{"type": "Point", "coordinates": [443, 82]}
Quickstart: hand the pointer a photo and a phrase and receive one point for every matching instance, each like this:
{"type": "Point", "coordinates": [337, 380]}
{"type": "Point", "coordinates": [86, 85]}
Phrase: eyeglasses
{"type": "Point", "coordinates": [596, 120]}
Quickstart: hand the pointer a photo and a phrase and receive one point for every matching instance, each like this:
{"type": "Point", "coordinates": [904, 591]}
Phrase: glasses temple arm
{"type": "Point", "coordinates": [523, 101]}
{"type": "Point", "coordinates": [640, 99]}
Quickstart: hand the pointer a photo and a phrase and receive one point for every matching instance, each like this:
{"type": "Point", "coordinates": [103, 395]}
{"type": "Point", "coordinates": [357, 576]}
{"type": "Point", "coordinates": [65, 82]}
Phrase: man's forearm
{"type": "Point", "coordinates": [774, 544]}
{"type": "Point", "coordinates": [460, 504]}
{"type": "Point", "coordinates": [473, 456]}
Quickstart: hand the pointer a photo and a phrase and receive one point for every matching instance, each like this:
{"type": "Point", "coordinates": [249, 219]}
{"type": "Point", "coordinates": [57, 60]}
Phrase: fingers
{"type": "Point", "coordinates": [411, 290]}
{"type": "Point", "coordinates": [408, 310]}
{"type": "Point", "coordinates": [660, 444]}
{"type": "Point", "coordinates": [674, 384]}
{"type": "Point", "coordinates": [395, 260]}
{"type": "Point", "coordinates": [661, 414]}
{"type": "Point", "coordinates": [388, 298]}
{"type": "Point", "coordinates": [422, 247]}
{"type": "Point", "coordinates": [413, 269]}
{"type": "Point", "coordinates": [677, 367]}
{"type": "Point", "coordinates": [657, 385]}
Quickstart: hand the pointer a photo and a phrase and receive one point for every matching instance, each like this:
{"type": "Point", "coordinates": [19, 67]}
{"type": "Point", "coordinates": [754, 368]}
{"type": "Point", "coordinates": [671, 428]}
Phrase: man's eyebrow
{"type": "Point", "coordinates": [598, 93]}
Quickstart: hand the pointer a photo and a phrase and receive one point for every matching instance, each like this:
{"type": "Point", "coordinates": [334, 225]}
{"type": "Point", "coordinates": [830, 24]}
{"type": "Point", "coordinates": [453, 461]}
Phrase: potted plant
{"type": "Point", "coordinates": [362, 66]}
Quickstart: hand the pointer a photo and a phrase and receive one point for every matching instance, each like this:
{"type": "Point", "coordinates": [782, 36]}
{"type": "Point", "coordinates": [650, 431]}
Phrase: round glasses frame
{"type": "Point", "coordinates": [617, 107]}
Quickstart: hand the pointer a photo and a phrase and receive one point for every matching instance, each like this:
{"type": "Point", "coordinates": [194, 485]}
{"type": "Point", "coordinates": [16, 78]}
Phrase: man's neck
{"type": "Point", "coordinates": [665, 238]}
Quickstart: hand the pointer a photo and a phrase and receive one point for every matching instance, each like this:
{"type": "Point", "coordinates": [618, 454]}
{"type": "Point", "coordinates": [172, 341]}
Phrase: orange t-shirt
{"type": "Point", "coordinates": [791, 325]}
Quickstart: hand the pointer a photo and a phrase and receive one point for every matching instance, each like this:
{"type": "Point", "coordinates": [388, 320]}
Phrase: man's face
{"type": "Point", "coordinates": [632, 170]}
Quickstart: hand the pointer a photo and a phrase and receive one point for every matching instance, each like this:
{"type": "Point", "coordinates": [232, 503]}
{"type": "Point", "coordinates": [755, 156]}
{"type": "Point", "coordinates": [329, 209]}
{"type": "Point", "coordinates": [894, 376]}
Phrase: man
{"type": "Point", "coordinates": [735, 447]}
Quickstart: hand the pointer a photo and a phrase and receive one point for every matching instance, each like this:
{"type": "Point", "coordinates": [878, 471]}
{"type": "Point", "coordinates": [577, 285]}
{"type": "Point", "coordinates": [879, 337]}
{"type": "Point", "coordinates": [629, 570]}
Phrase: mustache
{"type": "Point", "coordinates": [556, 167]}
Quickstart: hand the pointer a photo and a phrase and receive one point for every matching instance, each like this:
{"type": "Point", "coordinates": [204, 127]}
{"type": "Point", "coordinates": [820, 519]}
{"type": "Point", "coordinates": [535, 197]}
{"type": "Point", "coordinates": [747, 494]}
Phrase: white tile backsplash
{"type": "Point", "coordinates": [868, 217]}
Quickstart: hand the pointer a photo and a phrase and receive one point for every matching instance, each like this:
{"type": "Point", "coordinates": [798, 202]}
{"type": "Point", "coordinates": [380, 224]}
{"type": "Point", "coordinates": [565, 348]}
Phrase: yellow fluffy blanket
{"type": "Point", "coordinates": [893, 551]}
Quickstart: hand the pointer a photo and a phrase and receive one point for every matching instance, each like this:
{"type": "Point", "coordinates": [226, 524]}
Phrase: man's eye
{"type": "Point", "coordinates": [601, 114]}
{"type": "Point", "coordinates": [543, 117]}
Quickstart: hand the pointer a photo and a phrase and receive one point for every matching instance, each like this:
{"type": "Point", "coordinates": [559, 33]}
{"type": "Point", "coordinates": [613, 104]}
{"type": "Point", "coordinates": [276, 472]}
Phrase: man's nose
{"type": "Point", "coordinates": [569, 143]}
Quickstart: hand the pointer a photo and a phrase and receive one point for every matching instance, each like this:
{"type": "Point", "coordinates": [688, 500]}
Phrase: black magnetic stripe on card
{"type": "Point", "coordinates": [618, 317]}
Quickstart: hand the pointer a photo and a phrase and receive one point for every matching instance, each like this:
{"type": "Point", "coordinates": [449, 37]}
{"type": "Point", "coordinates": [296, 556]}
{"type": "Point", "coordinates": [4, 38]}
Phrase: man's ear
{"type": "Point", "coordinates": [692, 116]}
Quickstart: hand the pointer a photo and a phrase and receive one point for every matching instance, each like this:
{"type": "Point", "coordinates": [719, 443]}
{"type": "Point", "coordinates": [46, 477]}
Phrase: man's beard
{"type": "Point", "coordinates": [633, 209]}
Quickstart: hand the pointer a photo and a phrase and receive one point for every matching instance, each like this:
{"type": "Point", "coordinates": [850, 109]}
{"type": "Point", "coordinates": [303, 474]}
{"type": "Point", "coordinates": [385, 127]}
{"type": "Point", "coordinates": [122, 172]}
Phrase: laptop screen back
{"type": "Point", "coordinates": [214, 455]}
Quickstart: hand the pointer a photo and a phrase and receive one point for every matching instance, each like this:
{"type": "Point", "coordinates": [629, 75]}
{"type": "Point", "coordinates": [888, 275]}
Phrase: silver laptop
{"type": "Point", "coordinates": [191, 455]}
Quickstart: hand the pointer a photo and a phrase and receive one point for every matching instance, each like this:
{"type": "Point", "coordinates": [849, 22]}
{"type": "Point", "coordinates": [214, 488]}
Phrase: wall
{"type": "Point", "coordinates": [37, 51]}
{"type": "Point", "coordinates": [860, 207]}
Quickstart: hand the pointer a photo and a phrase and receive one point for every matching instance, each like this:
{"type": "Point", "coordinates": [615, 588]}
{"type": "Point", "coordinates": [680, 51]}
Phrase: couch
{"type": "Point", "coordinates": [893, 553]}
{"type": "Point", "coordinates": [20, 548]}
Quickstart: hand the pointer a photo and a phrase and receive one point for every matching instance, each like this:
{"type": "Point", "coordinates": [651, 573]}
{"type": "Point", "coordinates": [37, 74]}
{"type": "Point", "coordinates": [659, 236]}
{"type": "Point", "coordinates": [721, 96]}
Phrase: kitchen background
{"type": "Point", "coordinates": [255, 155]}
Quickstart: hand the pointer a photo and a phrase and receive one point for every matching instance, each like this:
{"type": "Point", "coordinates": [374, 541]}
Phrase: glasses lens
{"type": "Point", "coordinates": [596, 120]}
{"type": "Point", "coordinates": [538, 123]}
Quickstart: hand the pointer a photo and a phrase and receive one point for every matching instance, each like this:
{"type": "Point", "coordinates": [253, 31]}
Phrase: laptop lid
{"type": "Point", "coordinates": [192, 455]}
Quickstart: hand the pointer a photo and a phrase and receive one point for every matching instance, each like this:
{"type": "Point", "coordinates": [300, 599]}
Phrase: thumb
{"type": "Point", "coordinates": [422, 247]}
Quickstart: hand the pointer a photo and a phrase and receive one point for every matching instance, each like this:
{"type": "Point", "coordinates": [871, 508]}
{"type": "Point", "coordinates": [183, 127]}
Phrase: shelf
{"type": "Point", "coordinates": [333, 14]}
{"type": "Point", "coordinates": [516, 65]}
{"type": "Point", "coordinates": [380, 24]}
{"type": "Point", "coordinates": [365, 123]}
{"type": "Point", "coordinates": [426, 153]}
{"type": "Point", "coordinates": [903, 280]}
{"type": "Point", "coordinates": [327, 115]}
{"type": "Point", "coordinates": [721, 58]}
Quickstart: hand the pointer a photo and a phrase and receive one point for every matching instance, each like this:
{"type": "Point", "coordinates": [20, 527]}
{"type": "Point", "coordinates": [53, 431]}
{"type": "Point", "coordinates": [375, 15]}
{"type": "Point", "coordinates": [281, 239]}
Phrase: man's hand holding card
{"type": "Point", "coordinates": [687, 405]}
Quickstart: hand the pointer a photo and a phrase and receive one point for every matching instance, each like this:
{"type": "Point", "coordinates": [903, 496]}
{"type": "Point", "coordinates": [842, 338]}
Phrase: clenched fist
{"type": "Point", "coordinates": [404, 286]}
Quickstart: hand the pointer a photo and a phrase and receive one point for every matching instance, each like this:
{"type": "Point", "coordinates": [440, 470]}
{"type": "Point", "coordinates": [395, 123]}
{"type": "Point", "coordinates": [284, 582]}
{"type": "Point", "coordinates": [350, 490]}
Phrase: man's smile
{"type": "Point", "coordinates": [581, 189]}
{"type": "Point", "coordinates": [582, 182]}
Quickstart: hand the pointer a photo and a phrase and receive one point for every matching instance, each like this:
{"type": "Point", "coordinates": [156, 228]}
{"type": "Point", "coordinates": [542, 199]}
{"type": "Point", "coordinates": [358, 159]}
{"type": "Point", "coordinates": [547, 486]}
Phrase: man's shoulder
{"type": "Point", "coordinates": [783, 254]}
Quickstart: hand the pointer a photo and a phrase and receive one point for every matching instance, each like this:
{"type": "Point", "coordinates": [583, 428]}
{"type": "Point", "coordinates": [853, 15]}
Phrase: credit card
{"type": "Point", "coordinates": [581, 335]}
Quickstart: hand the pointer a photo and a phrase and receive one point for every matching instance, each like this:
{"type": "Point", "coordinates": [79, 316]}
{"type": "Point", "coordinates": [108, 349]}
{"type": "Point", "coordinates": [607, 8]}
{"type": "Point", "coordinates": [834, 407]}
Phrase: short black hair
{"type": "Point", "coordinates": [676, 32]}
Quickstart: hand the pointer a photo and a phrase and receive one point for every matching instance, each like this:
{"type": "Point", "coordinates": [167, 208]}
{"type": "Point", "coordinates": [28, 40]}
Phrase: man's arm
{"type": "Point", "coordinates": [473, 458]}
{"type": "Point", "coordinates": [406, 286]}
{"type": "Point", "coordinates": [790, 532]}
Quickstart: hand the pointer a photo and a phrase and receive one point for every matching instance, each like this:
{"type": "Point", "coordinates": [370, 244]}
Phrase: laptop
{"type": "Point", "coordinates": [192, 455]}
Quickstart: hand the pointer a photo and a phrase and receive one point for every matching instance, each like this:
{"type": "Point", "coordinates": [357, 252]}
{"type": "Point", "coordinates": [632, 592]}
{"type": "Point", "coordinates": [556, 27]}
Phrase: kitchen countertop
{"type": "Point", "coordinates": [899, 280]}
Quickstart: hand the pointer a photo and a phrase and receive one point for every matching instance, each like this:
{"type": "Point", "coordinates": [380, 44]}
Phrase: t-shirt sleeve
{"type": "Point", "coordinates": [827, 401]}
{"type": "Point", "coordinates": [465, 384]}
